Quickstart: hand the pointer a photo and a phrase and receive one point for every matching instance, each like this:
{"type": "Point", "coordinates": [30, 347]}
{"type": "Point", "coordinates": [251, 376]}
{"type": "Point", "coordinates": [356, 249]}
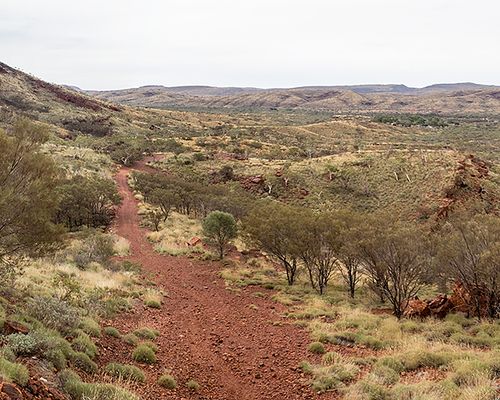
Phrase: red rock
{"type": "Point", "coordinates": [10, 327]}
{"type": "Point", "coordinates": [194, 241]}
{"type": "Point", "coordinates": [417, 308]}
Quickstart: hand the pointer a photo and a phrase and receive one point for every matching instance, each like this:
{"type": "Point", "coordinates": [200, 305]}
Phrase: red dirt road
{"type": "Point", "coordinates": [209, 334]}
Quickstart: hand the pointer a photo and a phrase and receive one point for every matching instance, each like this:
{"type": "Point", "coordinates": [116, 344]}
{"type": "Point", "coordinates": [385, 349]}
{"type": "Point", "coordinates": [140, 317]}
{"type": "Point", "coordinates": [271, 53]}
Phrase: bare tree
{"type": "Point", "coordinates": [470, 252]}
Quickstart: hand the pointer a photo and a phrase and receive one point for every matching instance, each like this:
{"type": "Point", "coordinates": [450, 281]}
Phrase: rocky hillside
{"type": "Point", "coordinates": [462, 98]}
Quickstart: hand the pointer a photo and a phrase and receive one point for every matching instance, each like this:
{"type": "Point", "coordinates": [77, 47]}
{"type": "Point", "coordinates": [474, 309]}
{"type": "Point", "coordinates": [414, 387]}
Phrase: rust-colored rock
{"type": "Point", "coordinates": [440, 306]}
{"type": "Point", "coordinates": [10, 327]}
{"type": "Point", "coordinates": [194, 241]}
{"type": "Point", "coordinates": [10, 391]}
{"type": "Point", "coordinates": [417, 308]}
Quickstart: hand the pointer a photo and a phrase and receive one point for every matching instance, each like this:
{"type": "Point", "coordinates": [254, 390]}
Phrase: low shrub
{"type": "Point", "coordinates": [384, 375]}
{"type": "Point", "coordinates": [78, 390]}
{"type": "Point", "coordinates": [167, 381]}
{"type": "Point", "coordinates": [123, 371]}
{"type": "Point", "coordinates": [331, 358]}
{"type": "Point", "coordinates": [146, 333]}
{"type": "Point", "coordinates": [418, 359]}
{"type": "Point", "coordinates": [193, 385]}
{"type": "Point", "coordinates": [90, 327]}
{"type": "Point", "coordinates": [130, 338]}
{"type": "Point", "coordinates": [317, 348]}
{"type": "Point", "coordinates": [151, 345]}
{"type": "Point", "coordinates": [13, 372]}
{"type": "Point", "coordinates": [84, 343]}
{"type": "Point", "coordinates": [25, 345]}
{"type": "Point", "coordinates": [54, 313]}
{"type": "Point", "coordinates": [143, 353]}
{"type": "Point", "coordinates": [82, 361]}
{"type": "Point", "coordinates": [111, 331]}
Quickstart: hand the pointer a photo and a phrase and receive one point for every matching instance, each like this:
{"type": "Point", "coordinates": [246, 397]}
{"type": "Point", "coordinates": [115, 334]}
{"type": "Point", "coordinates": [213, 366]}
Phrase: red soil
{"type": "Point", "coordinates": [208, 333]}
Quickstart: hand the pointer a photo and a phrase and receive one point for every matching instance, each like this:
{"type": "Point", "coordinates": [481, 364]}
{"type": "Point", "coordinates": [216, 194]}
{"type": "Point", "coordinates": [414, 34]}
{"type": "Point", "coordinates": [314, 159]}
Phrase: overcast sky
{"type": "Point", "coordinates": [111, 44]}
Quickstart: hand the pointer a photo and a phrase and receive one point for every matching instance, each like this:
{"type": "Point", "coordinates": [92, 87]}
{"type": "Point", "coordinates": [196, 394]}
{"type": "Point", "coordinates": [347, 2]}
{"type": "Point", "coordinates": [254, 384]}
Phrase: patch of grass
{"type": "Point", "coordinates": [112, 331]}
{"type": "Point", "coordinates": [146, 333]}
{"type": "Point", "coordinates": [90, 327]}
{"type": "Point", "coordinates": [384, 375]}
{"type": "Point", "coordinates": [193, 385]}
{"type": "Point", "coordinates": [13, 372]}
{"type": "Point", "coordinates": [143, 354]}
{"type": "Point", "coordinates": [153, 299]}
{"type": "Point", "coordinates": [317, 348]}
{"type": "Point", "coordinates": [78, 390]}
{"type": "Point", "coordinates": [419, 359]}
{"type": "Point", "coordinates": [130, 338]}
{"type": "Point", "coordinates": [167, 382]}
{"type": "Point", "coordinates": [84, 343]}
{"type": "Point", "coordinates": [331, 358]}
{"type": "Point", "coordinates": [123, 371]}
{"type": "Point", "coordinates": [82, 361]}
{"type": "Point", "coordinates": [306, 367]}
{"type": "Point", "coordinates": [151, 345]}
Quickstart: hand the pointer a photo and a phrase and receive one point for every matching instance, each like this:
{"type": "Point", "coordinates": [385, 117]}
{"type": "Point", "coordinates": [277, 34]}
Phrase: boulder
{"type": "Point", "coordinates": [10, 327]}
{"type": "Point", "coordinates": [440, 306]}
{"type": "Point", "coordinates": [417, 308]}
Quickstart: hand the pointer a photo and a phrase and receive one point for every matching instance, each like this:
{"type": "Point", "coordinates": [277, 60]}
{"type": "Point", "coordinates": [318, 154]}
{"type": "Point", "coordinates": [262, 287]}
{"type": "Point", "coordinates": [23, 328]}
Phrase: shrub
{"type": "Point", "coordinates": [146, 333]}
{"type": "Point", "coordinates": [123, 371]}
{"type": "Point", "coordinates": [144, 354]}
{"type": "Point", "coordinates": [317, 348]}
{"type": "Point", "coordinates": [193, 385]}
{"type": "Point", "coordinates": [56, 357]}
{"type": "Point", "coordinates": [391, 362]}
{"type": "Point", "coordinates": [90, 326]}
{"type": "Point", "coordinates": [54, 313]}
{"type": "Point", "coordinates": [130, 338]}
{"type": "Point", "coordinates": [306, 367]}
{"type": "Point", "coordinates": [7, 353]}
{"type": "Point", "coordinates": [419, 359]}
{"type": "Point", "coordinates": [82, 361]}
{"type": "Point", "coordinates": [84, 343]}
{"type": "Point", "coordinates": [331, 358]}
{"type": "Point", "coordinates": [167, 381]}
{"type": "Point", "coordinates": [219, 228]}
{"type": "Point", "coordinates": [25, 345]}
{"type": "Point", "coordinates": [367, 390]}
{"type": "Point", "coordinates": [14, 372]}
{"type": "Point", "coordinates": [97, 247]}
{"type": "Point", "coordinates": [78, 390]}
{"type": "Point", "coordinates": [151, 345]}
{"type": "Point", "coordinates": [385, 375]}
{"type": "Point", "coordinates": [111, 331]}
{"type": "Point", "coordinates": [153, 299]}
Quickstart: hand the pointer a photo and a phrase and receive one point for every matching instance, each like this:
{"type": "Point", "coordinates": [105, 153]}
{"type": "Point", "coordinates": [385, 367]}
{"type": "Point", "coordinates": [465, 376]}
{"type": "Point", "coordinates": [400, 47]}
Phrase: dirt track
{"type": "Point", "coordinates": [209, 334]}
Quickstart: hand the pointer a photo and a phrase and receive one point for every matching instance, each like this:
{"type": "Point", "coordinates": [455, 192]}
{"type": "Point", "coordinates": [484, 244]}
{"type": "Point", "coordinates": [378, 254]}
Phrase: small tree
{"type": "Point", "coordinates": [272, 227]}
{"type": "Point", "coordinates": [349, 264]}
{"type": "Point", "coordinates": [165, 199]}
{"type": "Point", "coordinates": [470, 253]}
{"type": "Point", "coordinates": [397, 259]}
{"type": "Point", "coordinates": [28, 200]}
{"type": "Point", "coordinates": [219, 228]}
{"type": "Point", "coordinates": [317, 245]}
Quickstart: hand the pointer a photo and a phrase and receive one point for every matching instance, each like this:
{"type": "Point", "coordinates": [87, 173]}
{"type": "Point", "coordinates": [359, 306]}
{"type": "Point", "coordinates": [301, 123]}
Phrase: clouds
{"type": "Point", "coordinates": [268, 43]}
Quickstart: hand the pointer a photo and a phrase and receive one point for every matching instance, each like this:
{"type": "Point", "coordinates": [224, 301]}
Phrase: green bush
{"type": "Point", "coordinates": [306, 367]}
{"type": "Point", "coordinates": [414, 360]}
{"type": "Point", "coordinates": [82, 361]}
{"type": "Point", "coordinates": [111, 331]}
{"type": "Point", "coordinates": [123, 371]}
{"type": "Point", "coordinates": [14, 372]}
{"type": "Point", "coordinates": [146, 333]}
{"type": "Point", "coordinates": [7, 353]}
{"type": "Point", "coordinates": [56, 357]}
{"type": "Point", "coordinates": [193, 385]}
{"type": "Point", "coordinates": [72, 384]}
{"type": "Point", "coordinates": [331, 358]}
{"type": "Point", "coordinates": [151, 345]}
{"type": "Point", "coordinates": [391, 362]}
{"type": "Point", "coordinates": [84, 343]}
{"type": "Point", "coordinates": [144, 354]}
{"type": "Point", "coordinates": [130, 338]}
{"type": "Point", "coordinates": [90, 327]}
{"type": "Point", "coordinates": [385, 375]}
{"type": "Point", "coordinates": [167, 381]}
{"type": "Point", "coordinates": [54, 313]}
{"type": "Point", "coordinates": [317, 348]}
{"type": "Point", "coordinates": [25, 345]}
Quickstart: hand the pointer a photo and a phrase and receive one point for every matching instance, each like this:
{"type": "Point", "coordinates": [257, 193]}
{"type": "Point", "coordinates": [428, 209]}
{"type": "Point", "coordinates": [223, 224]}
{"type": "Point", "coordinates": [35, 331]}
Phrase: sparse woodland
{"type": "Point", "coordinates": [375, 237]}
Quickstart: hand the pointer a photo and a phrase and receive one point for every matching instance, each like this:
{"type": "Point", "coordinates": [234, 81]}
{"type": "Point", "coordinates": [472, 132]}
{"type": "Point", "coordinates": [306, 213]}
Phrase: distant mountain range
{"type": "Point", "coordinates": [454, 98]}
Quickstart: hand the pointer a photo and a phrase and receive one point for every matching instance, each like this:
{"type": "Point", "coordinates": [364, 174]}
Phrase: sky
{"type": "Point", "coordinates": [113, 44]}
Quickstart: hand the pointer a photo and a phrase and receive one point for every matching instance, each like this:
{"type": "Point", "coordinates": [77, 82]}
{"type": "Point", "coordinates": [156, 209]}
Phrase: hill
{"type": "Point", "coordinates": [459, 98]}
